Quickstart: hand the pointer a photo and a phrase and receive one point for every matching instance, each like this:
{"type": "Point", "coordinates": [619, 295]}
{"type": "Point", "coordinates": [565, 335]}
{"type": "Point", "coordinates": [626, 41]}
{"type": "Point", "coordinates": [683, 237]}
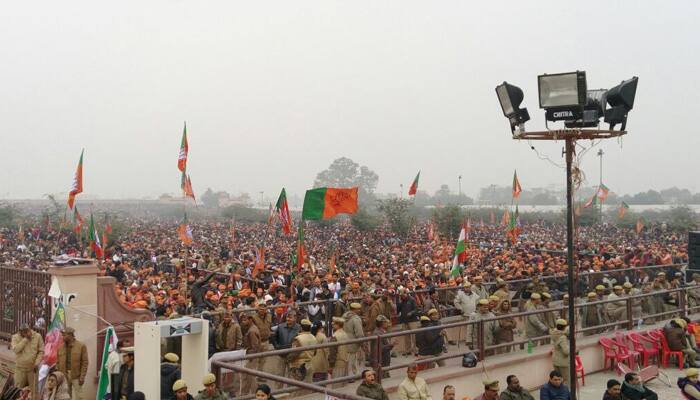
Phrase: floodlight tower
{"type": "Point", "coordinates": [565, 97]}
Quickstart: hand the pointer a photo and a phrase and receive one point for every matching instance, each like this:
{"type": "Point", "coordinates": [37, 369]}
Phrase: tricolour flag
{"type": "Point", "coordinates": [77, 185]}
{"type": "Point", "coordinates": [184, 148]}
{"type": "Point", "coordinates": [95, 239]}
{"type": "Point", "coordinates": [414, 186]}
{"type": "Point", "coordinates": [325, 203]}
{"type": "Point", "coordinates": [516, 185]}
{"type": "Point", "coordinates": [460, 251]}
{"type": "Point", "coordinates": [103, 391]}
{"type": "Point", "coordinates": [282, 208]}
{"type": "Point", "coordinates": [622, 210]}
{"type": "Point", "coordinates": [602, 192]}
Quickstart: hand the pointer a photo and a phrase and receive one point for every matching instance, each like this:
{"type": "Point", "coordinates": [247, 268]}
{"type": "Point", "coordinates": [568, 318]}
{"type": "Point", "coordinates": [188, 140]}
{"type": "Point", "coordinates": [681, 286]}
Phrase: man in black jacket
{"type": "Point", "coordinates": [634, 389]}
{"type": "Point", "coordinates": [407, 311]}
{"type": "Point", "coordinates": [125, 382]}
{"type": "Point", "coordinates": [169, 374]}
{"type": "Point", "coordinates": [199, 289]}
{"type": "Point", "coordinates": [431, 343]}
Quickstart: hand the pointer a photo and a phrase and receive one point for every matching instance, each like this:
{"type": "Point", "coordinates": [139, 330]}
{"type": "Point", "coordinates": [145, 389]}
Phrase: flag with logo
{"type": "Point", "coordinates": [414, 186]}
{"type": "Point", "coordinates": [602, 193]}
{"type": "Point", "coordinates": [282, 208]}
{"type": "Point", "coordinates": [516, 185]}
{"type": "Point", "coordinates": [77, 185]}
{"type": "Point", "coordinates": [184, 149]}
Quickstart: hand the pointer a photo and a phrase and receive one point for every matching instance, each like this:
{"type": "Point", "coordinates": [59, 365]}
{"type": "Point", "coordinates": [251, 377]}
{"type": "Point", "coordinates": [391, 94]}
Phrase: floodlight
{"type": "Point", "coordinates": [621, 100]}
{"type": "Point", "coordinates": [562, 95]}
{"type": "Point", "coordinates": [593, 111]}
{"type": "Point", "coordinates": [510, 98]}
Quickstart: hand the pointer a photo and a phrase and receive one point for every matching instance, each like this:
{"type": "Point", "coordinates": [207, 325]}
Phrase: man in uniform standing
{"type": "Point", "coordinates": [28, 347]}
{"type": "Point", "coordinates": [353, 328]}
{"type": "Point", "coordinates": [228, 334]}
{"type": "Point", "coordinates": [73, 362]}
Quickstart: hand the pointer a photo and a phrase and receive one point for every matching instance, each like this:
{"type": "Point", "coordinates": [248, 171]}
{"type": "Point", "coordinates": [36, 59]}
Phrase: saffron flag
{"type": "Point", "coordinates": [187, 188]}
{"type": "Point", "coordinates": [602, 192]}
{"type": "Point", "coordinates": [259, 261]}
{"type": "Point", "coordinates": [414, 186]}
{"type": "Point", "coordinates": [506, 218]}
{"type": "Point", "coordinates": [622, 210]}
{"type": "Point", "coordinates": [95, 239]}
{"type": "Point", "coordinates": [184, 232]}
{"type": "Point", "coordinates": [184, 148]}
{"type": "Point", "coordinates": [270, 215]}
{"type": "Point", "coordinates": [108, 227]}
{"type": "Point", "coordinates": [103, 391]}
{"type": "Point", "coordinates": [592, 202]}
{"type": "Point", "coordinates": [283, 212]}
{"type": "Point", "coordinates": [301, 251]}
{"type": "Point", "coordinates": [431, 232]}
{"type": "Point", "coordinates": [516, 185]}
{"type": "Point", "coordinates": [77, 186]}
{"type": "Point", "coordinates": [78, 221]}
{"type": "Point", "coordinates": [492, 218]}
{"type": "Point", "coordinates": [325, 203]}
{"type": "Point", "coordinates": [20, 234]}
{"type": "Point", "coordinates": [640, 225]}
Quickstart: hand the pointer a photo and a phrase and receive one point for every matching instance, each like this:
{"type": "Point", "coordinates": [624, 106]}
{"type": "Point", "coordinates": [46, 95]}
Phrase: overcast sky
{"type": "Point", "coordinates": [274, 91]}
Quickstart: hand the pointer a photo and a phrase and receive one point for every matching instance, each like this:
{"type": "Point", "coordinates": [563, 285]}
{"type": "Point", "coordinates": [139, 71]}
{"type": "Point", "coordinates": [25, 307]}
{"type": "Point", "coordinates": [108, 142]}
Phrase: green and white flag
{"type": "Point", "coordinates": [460, 249]}
{"type": "Point", "coordinates": [103, 391]}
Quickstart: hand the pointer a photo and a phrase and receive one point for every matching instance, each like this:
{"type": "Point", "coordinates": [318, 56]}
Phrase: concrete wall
{"type": "Point", "coordinates": [81, 313]}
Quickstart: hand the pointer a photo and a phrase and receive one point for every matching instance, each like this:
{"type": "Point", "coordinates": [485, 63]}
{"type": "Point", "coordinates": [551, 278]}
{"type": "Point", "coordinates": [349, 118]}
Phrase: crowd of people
{"type": "Point", "coordinates": [355, 284]}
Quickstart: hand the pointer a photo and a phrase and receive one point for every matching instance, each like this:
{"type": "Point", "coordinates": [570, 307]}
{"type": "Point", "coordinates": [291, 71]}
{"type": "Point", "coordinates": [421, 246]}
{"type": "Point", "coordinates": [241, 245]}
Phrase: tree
{"type": "Point", "coordinates": [396, 212]}
{"type": "Point", "coordinates": [344, 172]}
{"type": "Point", "coordinates": [364, 221]}
{"type": "Point", "coordinates": [683, 218]}
{"type": "Point", "coordinates": [8, 215]}
{"type": "Point", "coordinates": [448, 220]}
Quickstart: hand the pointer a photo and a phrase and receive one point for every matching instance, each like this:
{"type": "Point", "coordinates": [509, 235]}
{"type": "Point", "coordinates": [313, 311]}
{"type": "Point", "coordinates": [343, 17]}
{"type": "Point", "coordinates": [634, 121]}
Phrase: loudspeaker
{"type": "Point", "coordinates": [694, 250]}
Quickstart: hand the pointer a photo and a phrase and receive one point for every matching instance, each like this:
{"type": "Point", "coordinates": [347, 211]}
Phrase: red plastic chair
{"type": "Point", "coordinates": [646, 353]}
{"type": "Point", "coordinates": [615, 353]}
{"type": "Point", "coordinates": [609, 353]}
{"type": "Point", "coordinates": [667, 354]}
{"type": "Point", "coordinates": [579, 369]}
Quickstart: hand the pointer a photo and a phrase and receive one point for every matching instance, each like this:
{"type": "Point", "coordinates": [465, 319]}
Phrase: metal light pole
{"type": "Point", "coordinates": [570, 136]}
{"type": "Point", "coordinates": [262, 200]}
{"type": "Point", "coordinates": [600, 154]}
{"type": "Point", "coordinates": [460, 185]}
{"type": "Point", "coordinates": [572, 272]}
{"type": "Point", "coordinates": [401, 192]}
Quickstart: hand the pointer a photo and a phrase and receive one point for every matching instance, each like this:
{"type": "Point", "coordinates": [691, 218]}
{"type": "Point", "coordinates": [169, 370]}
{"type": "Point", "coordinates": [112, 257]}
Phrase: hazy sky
{"type": "Point", "coordinates": [274, 91]}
